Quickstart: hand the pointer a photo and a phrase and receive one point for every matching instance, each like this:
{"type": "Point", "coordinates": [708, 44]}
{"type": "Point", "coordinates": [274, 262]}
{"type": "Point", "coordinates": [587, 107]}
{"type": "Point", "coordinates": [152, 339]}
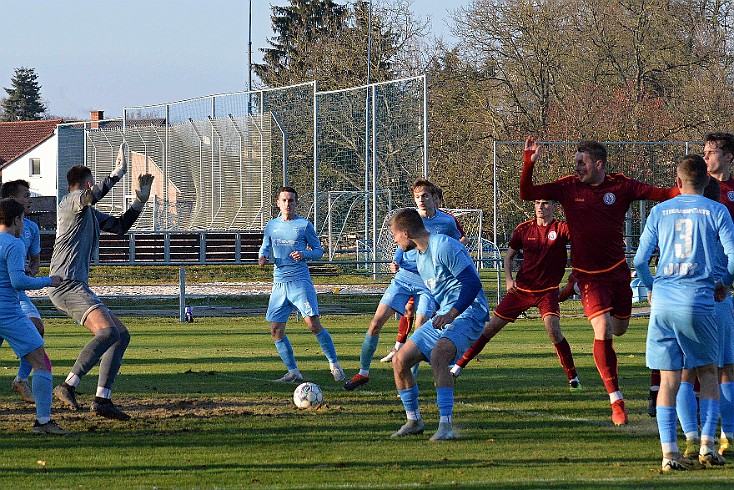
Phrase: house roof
{"type": "Point", "coordinates": [19, 137]}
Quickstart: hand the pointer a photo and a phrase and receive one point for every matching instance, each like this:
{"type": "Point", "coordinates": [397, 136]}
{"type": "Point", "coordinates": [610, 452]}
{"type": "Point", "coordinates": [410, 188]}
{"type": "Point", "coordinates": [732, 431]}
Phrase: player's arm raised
{"type": "Point", "coordinates": [93, 194]}
{"type": "Point", "coordinates": [529, 191]}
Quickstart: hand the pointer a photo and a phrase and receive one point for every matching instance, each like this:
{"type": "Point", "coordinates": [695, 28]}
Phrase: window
{"type": "Point", "coordinates": [35, 166]}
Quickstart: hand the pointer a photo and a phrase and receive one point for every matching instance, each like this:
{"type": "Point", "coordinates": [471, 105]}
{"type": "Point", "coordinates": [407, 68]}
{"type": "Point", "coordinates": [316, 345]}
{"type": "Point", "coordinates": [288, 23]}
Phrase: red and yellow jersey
{"type": "Point", "coordinates": [544, 254]}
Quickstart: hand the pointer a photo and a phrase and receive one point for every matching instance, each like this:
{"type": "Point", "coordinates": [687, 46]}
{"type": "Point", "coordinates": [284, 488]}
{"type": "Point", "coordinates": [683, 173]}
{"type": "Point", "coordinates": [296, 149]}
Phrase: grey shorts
{"type": "Point", "coordinates": [75, 299]}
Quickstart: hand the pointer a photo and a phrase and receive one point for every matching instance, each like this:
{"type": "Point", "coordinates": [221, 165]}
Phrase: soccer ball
{"type": "Point", "coordinates": [308, 395]}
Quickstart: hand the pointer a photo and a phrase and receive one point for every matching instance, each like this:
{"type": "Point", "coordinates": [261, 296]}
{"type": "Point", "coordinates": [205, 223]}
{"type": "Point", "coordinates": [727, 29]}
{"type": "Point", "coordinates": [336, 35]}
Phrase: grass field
{"type": "Point", "coordinates": [206, 415]}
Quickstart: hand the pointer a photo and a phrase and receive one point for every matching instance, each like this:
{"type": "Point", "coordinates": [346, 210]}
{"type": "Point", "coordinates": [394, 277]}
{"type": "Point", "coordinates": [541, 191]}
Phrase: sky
{"type": "Point", "coordinates": [109, 54]}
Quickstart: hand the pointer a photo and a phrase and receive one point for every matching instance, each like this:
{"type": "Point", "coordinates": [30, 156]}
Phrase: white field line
{"type": "Point", "coordinates": [528, 413]}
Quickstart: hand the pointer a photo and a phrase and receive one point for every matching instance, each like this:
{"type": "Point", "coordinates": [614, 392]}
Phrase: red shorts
{"type": "Point", "coordinates": [517, 301]}
{"type": "Point", "coordinates": [606, 292]}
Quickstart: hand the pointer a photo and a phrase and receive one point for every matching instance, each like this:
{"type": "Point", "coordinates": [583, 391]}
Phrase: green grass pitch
{"type": "Point", "coordinates": [206, 415]}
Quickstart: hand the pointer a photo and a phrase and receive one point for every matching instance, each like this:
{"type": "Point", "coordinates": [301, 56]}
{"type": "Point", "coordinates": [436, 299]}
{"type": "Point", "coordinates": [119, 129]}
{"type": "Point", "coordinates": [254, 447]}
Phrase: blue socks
{"type": "Point", "coordinates": [445, 401]}
{"type": "Point", "coordinates": [327, 345]}
{"type": "Point", "coordinates": [666, 424]}
{"type": "Point", "coordinates": [409, 397]}
{"type": "Point", "coordinates": [25, 369]}
{"type": "Point", "coordinates": [687, 408]}
{"type": "Point", "coordinates": [42, 391]}
{"type": "Point", "coordinates": [285, 351]}
{"type": "Point", "coordinates": [709, 418]}
{"type": "Point", "coordinates": [726, 407]}
{"type": "Point", "coordinates": [369, 346]}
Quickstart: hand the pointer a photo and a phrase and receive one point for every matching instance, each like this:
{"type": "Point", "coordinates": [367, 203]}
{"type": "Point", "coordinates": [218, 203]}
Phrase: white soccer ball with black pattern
{"type": "Point", "coordinates": [308, 395]}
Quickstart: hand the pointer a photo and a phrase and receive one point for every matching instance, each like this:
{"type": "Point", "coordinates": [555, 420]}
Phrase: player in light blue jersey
{"type": "Point", "coordinates": [31, 237]}
{"type": "Point", "coordinates": [15, 327]}
{"type": "Point", "coordinates": [683, 331]}
{"type": "Point", "coordinates": [406, 284]}
{"type": "Point", "coordinates": [450, 275]}
{"type": "Point", "coordinates": [686, 402]}
{"type": "Point", "coordinates": [427, 197]}
{"type": "Point", "coordinates": [289, 241]}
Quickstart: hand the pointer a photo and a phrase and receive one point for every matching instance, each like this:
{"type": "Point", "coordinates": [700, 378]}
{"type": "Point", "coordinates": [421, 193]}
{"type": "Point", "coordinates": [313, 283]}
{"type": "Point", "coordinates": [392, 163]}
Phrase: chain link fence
{"type": "Point", "coordinates": [650, 162]}
{"type": "Point", "coordinates": [218, 160]}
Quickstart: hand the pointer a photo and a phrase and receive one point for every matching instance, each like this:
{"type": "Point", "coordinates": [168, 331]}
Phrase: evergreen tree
{"type": "Point", "coordinates": [298, 27]}
{"type": "Point", "coordinates": [24, 98]}
{"type": "Point", "coordinates": [325, 41]}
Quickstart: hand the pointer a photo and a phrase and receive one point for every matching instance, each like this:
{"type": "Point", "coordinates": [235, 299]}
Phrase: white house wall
{"type": "Point", "coordinates": [43, 184]}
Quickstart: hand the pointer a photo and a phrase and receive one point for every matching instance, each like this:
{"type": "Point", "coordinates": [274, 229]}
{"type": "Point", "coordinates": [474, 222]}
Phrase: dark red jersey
{"type": "Point", "coordinates": [595, 214]}
{"type": "Point", "coordinates": [727, 194]}
{"type": "Point", "coordinates": [544, 254]}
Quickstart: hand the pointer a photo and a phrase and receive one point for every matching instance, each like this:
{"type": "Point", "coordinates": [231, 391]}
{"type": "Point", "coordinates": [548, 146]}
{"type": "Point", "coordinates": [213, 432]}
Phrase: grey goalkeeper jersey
{"type": "Point", "coordinates": [78, 226]}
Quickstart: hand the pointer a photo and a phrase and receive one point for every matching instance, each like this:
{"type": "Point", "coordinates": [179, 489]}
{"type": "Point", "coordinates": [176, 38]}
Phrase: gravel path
{"type": "Point", "coordinates": [216, 289]}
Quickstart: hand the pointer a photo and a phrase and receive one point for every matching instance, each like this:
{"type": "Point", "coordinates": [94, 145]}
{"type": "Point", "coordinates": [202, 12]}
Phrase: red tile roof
{"type": "Point", "coordinates": [17, 138]}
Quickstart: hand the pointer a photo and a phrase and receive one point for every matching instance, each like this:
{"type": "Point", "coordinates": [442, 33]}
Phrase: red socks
{"type": "Point", "coordinates": [564, 355]}
{"type": "Point", "coordinates": [473, 351]}
{"type": "Point", "coordinates": [606, 363]}
{"type": "Point", "coordinates": [404, 328]}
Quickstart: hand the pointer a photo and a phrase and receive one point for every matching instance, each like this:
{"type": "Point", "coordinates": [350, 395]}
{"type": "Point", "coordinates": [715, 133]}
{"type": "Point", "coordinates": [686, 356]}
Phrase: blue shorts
{"type": "Point", "coordinates": [725, 320]}
{"type": "Point", "coordinates": [463, 331]}
{"type": "Point", "coordinates": [399, 292]}
{"type": "Point", "coordinates": [27, 306]}
{"type": "Point", "coordinates": [17, 329]}
{"type": "Point", "coordinates": [678, 340]}
{"type": "Point", "coordinates": [287, 296]}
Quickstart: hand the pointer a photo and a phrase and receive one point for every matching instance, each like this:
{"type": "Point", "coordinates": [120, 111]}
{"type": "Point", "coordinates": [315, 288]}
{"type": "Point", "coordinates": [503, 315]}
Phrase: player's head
{"type": "Point", "coordinates": [718, 152]}
{"type": "Point", "coordinates": [591, 162]}
{"type": "Point", "coordinates": [79, 176]}
{"type": "Point", "coordinates": [545, 208]}
{"type": "Point", "coordinates": [11, 215]}
{"type": "Point", "coordinates": [20, 190]}
{"type": "Point", "coordinates": [424, 196]}
{"type": "Point", "coordinates": [405, 225]}
{"type": "Point", "coordinates": [287, 202]}
{"type": "Point", "coordinates": [692, 174]}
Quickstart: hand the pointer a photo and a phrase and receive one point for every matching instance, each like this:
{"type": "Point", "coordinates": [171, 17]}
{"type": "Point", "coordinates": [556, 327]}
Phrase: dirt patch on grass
{"type": "Point", "coordinates": [17, 416]}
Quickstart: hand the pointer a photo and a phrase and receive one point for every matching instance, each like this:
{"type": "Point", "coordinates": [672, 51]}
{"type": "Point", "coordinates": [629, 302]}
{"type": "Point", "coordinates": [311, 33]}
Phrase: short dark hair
{"type": "Point", "coordinates": [692, 169]}
{"type": "Point", "coordinates": [78, 174]}
{"type": "Point", "coordinates": [13, 187]}
{"type": "Point", "coordinates": [286, 189]}
{"type": "Point", "coordinates": [596, 150]}
{"type": "Point", "coordinates": [424, 183]}
{"type": "Point", "coordinates": [724, 141]}
{"type": "Point", "coordinates": [407, 219]}
{"type": "Point", "coordinates": [9, 210]}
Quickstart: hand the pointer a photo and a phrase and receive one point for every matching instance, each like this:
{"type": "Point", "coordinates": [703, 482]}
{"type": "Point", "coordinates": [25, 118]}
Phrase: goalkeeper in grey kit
{"type": "Point", "coordinates": [77, 240]}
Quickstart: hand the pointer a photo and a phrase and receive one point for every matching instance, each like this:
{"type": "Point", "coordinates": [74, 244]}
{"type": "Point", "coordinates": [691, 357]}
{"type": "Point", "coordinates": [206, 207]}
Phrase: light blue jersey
{"type": "Point", "coordinates": [14, 325]}
{"type": "Point", "coordinates": [441, 263]}
{"type": "Point", "coordinates": [31, 238]}
{"type": "Point", "coordinates": [442, 223]}
{"type": "Point", "coordinates": [688, 230]}
{"type": "Point", "coordinates": [281, 238]}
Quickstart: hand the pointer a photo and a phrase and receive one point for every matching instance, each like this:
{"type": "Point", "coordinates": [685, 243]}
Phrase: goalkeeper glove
{"type": "Point", "coordinates": [142, 193]}
{"type": "Point", "coordinates": [120, 163]}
